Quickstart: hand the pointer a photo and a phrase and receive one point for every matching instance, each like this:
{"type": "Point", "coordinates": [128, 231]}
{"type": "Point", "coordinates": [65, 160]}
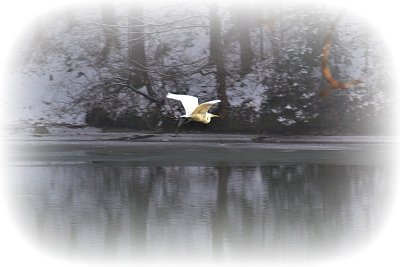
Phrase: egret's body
{"type": "Point", "coordinates": [193, 110]}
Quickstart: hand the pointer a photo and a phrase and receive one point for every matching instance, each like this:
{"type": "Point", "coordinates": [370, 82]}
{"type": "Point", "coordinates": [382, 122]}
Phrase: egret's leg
{"type": "Point", "coordinates": [181, 120]}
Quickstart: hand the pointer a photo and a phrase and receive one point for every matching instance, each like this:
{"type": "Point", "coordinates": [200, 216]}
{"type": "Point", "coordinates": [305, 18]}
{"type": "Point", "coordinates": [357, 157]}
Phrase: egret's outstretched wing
{"type": "Point", "coordinates": [189, 102]}
{"type": "Point", "coordinates": [204, 107]}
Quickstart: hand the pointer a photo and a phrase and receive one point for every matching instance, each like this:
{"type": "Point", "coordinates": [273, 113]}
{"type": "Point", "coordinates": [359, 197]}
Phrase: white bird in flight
{"type": "Point", "coordinates": [193, 110]}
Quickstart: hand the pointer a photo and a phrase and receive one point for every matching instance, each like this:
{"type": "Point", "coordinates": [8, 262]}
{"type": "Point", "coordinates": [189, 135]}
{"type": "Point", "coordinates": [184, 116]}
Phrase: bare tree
{"type": "Point", "coordinates": [242, 15]}
{"type": "Point", "coordinates": [109, 21]}
{"type": "Point", "coordinates": [217, 58]}
{"type": "Point", "coordinates": [137, 50]}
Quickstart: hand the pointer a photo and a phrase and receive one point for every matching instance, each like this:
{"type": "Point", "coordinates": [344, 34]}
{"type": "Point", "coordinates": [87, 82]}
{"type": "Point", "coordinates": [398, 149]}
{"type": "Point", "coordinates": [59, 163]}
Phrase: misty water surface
{"type": "Point", "coordinates": [218, 209]}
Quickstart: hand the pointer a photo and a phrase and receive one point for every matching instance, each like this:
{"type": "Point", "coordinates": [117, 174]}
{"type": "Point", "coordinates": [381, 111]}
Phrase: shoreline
{"type": "Point", "coordinates": [193, 149]}
{"type": "Point", "coordinates": [140, 137]}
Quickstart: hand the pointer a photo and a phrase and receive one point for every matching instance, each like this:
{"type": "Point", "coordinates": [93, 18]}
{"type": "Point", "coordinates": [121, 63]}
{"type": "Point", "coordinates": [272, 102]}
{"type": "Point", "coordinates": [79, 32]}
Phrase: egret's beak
{"type": "Point", "coordinates": [213, 115]}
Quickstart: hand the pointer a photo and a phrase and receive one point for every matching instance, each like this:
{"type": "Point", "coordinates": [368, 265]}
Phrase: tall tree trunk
{"type": "Point", "coordinates": [109, 29]}
{"type": "Point", "coordinates": [217, 59]}
{"type": "Point", "coordinates": [261, 35]}
{"type": "Point", "coordinates": [137, 50]}
{"type": "Point", "coordinates": [243, 27]}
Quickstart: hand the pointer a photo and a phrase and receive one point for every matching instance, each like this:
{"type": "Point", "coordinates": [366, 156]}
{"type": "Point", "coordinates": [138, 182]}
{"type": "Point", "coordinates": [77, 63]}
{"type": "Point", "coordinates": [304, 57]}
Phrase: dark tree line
{"type": "Point", "coordinates": [263, 62]}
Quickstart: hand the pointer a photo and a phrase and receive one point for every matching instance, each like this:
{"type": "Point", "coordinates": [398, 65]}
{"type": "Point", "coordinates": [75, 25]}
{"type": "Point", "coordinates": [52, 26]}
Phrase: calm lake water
{"type": "Point", "coordinates": [160, 202]}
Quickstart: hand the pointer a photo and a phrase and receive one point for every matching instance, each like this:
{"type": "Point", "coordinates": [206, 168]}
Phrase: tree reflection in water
{"type": "Point", "coordinates": [206, 211]}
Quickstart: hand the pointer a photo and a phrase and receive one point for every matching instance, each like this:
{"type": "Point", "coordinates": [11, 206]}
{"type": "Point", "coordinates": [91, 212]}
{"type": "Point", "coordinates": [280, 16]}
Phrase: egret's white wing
{"type": "Point", "coordinates": [189, 102]}
{"type": "Point", "coordinates": [204, 107]}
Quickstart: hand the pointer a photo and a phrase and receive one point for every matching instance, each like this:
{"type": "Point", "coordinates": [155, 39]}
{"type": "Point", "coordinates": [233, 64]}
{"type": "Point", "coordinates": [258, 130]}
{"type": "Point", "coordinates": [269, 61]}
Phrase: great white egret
{"type": "Point", "coordinates": [193, 110]}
